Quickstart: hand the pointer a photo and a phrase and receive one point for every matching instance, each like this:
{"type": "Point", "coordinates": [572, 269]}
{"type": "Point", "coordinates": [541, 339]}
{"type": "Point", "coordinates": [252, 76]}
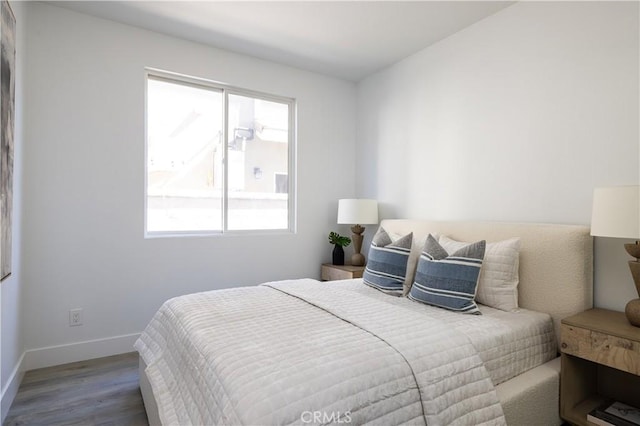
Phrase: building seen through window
{"type": "Point", "coordinates": [217, 160]}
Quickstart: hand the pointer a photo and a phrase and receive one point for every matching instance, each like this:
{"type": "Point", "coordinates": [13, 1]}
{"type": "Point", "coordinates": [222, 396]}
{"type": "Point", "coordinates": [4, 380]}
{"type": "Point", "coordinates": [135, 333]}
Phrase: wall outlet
{"type": "Point", "coordinates": [75, 317]}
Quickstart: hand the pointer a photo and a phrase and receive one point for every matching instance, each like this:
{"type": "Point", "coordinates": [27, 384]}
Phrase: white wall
{"type": "Point", "coordinates": [516, 118]}
{"type": "Point", "coordinates": [11, 289]}
{"type": "Point", "coordinates": [84, 182]}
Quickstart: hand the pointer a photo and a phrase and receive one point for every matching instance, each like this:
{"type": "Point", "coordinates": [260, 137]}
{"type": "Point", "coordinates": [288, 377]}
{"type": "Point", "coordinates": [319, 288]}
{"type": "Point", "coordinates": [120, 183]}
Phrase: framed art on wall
{"type": "Point", "coordinates": [7, 111]}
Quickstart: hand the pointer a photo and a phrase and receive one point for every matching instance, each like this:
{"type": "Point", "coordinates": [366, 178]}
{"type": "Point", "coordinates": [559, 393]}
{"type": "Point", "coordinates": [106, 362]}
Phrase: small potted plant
{"type": "Point", "coordinates": [339, 242]}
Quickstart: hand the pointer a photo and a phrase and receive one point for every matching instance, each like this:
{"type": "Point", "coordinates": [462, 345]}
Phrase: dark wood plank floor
{"type": "Point", "coordinates": [103, 391]}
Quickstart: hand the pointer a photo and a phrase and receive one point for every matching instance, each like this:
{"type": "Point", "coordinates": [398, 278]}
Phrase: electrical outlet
{"type": "Point", "coordinates": [75, 317]}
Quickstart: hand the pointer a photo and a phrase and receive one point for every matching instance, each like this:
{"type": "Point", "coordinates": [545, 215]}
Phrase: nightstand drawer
{"type": "Point", "coordinates": [341, 272]}
{"type": "Point", "coordinates": [606, 349]}
{"type": "Point", "coordinates": [600, 362]}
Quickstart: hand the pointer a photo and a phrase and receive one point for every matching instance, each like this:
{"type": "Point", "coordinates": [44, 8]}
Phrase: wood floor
{"type": "Point", "coordinates": [102, 391]}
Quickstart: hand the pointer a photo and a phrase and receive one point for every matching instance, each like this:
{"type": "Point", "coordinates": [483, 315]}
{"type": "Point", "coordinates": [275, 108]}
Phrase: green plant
{"type": "Point", "coordinates": [337, 239]}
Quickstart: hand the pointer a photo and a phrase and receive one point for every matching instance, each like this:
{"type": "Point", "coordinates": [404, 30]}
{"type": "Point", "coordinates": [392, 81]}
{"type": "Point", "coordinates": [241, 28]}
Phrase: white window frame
{"type": "Point", "coordinates": [227, 90]}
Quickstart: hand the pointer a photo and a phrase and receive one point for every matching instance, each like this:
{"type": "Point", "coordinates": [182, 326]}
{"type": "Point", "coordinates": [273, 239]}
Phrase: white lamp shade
{"type": "Point", "coordinates": [616, 212]}
{"type": "Point", "coordinates": [353, 211]}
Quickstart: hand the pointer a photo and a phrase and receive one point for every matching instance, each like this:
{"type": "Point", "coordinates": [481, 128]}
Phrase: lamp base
{"type": "Point", "coordinates": [632, 311]}
{"type": "Point", "coordinates": [634, 266]}
{"type": "Point", "coordinates": [357, 259]}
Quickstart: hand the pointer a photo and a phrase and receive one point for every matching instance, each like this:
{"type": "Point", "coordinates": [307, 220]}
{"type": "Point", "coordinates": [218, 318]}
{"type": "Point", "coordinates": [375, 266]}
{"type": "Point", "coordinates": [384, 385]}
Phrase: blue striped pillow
{"type": "Point", "coordinates": [448, 281]}
{"type": "Point", "coordinates": [387, 265]}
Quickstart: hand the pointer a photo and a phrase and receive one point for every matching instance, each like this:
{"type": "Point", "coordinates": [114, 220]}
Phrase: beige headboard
{"type": "Point", "coordinates": [556, 261]}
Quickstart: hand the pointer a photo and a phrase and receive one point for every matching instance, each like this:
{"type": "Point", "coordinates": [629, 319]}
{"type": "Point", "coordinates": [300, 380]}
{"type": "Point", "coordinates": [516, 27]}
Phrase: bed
{"type": "Point", "coordinates": [306, 352]}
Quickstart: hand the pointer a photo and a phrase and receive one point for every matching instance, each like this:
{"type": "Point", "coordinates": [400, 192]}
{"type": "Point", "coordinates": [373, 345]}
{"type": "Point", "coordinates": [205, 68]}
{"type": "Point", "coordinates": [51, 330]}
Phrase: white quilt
{"type": "Point", "coordinates": [306, 352]}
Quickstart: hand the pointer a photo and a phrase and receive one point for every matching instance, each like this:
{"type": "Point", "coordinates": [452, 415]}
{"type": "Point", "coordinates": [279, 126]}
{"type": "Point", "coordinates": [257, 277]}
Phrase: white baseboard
{"type": "Point", "coordinates": [79, 351]}
{"type": "Point", "coordinates": [11, 388]}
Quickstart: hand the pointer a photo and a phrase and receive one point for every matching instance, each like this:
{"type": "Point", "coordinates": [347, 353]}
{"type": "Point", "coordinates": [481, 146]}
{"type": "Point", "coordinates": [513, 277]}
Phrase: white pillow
{"type": "Point", "coordinates": [498, 284]}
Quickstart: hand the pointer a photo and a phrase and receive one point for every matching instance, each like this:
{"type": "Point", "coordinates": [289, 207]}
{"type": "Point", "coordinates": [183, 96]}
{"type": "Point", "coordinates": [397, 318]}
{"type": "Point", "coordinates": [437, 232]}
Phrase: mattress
{"type": "Point", "coordinates": [333, 352]}
{"type": "Point", "coordinates": [517, 341]}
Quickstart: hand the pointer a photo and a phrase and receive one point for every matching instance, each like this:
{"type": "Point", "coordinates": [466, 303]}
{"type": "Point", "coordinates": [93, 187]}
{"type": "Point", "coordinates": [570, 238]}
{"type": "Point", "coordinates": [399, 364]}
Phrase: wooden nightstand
{"type": "Point", "coordinates": [332, 272]}
{"type": "Point", "coordinates": [600, 361]}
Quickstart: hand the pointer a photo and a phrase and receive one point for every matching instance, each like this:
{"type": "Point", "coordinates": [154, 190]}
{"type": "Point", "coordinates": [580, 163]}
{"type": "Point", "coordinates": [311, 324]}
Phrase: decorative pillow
{"type": "Point", "coordinates": [498, 285]}
{"type": "Point", "coordinates": [448, 281]}
{"type": "Point", "coordinates": [417, 245]}
{"type": "Point", "coordinates": [387, 265]}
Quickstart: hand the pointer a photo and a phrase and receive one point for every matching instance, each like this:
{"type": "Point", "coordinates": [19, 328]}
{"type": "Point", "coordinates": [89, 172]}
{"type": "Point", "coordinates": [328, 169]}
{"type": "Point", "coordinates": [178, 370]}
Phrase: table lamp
{"type": "Point", "coordinates": [616, 214]}
{"type": "Point", "coordinates": [357, 212]}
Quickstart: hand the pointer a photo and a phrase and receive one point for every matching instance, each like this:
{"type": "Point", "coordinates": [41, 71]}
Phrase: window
{"type": "Point", "coordinates": [219, 159]}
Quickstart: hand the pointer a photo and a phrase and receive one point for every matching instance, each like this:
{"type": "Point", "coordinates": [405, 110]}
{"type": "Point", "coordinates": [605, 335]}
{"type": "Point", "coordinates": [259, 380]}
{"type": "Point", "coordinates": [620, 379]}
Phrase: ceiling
{"type": "Point", "coordinates": [345, 39]}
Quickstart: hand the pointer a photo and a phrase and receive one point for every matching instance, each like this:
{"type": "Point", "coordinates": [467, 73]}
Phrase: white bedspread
{"type": "Point", "coordinates": [306, 352]}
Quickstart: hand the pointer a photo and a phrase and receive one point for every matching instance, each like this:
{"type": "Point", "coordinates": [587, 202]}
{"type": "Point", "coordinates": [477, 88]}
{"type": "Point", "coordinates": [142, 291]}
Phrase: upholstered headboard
{"type": "Point", "coordinates": [556, 261]}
